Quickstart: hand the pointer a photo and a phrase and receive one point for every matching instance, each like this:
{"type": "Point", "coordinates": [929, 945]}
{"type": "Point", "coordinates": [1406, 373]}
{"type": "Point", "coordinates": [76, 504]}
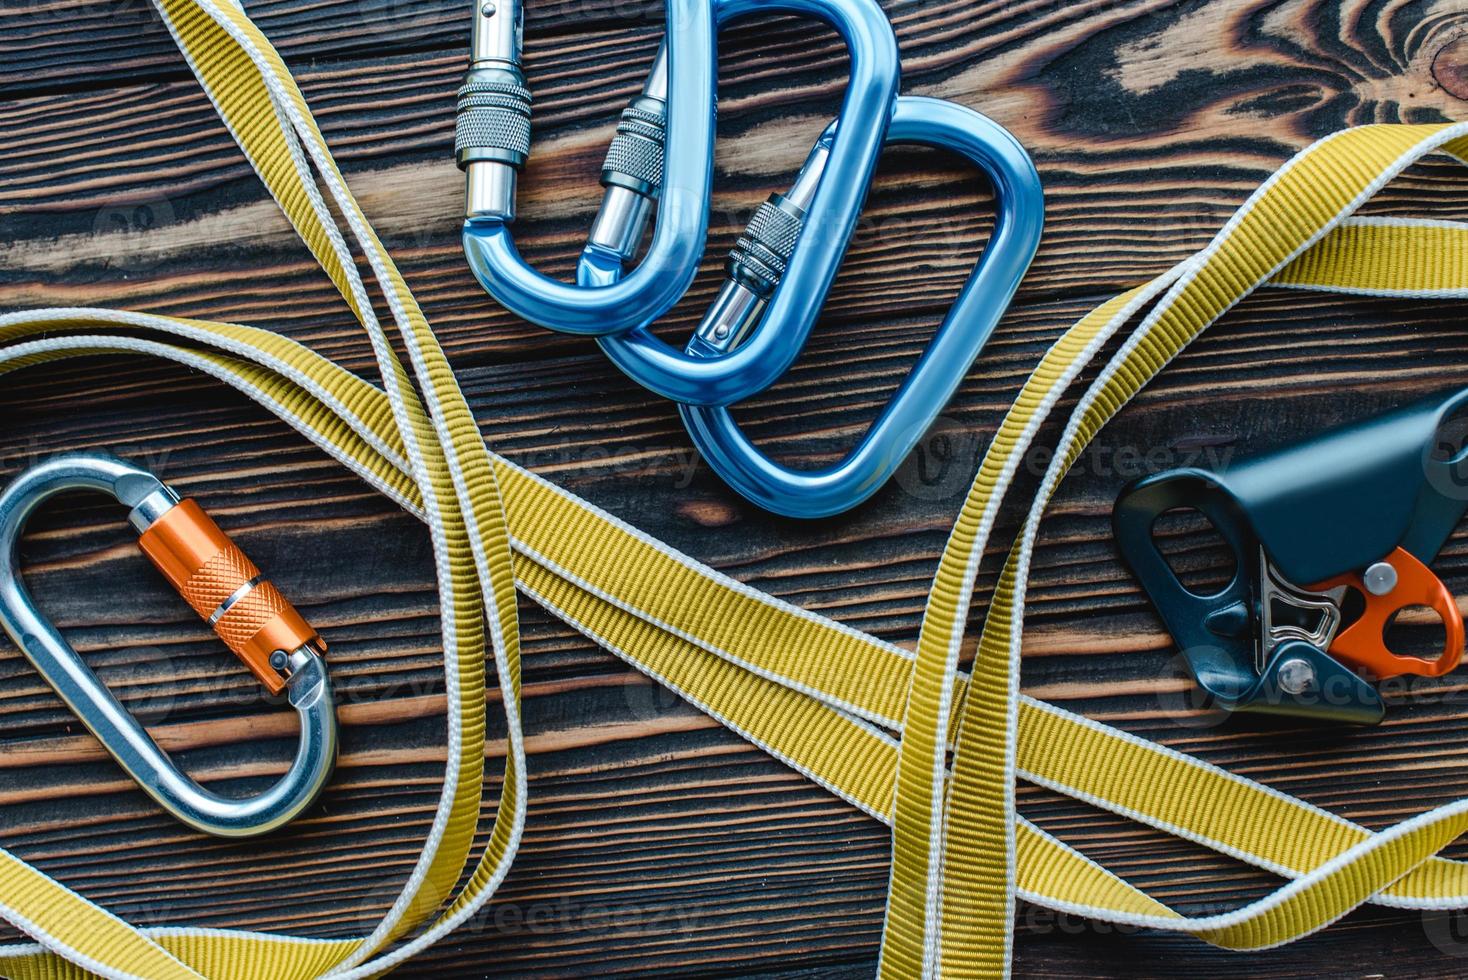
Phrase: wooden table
{"type": "Point", "coordinates": [658, 841]}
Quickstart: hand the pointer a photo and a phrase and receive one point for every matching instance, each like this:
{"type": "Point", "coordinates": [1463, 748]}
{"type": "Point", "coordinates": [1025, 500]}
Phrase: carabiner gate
{"type": "Point", "coordinates": [226, 589]}
{"type": "Point", "coordinates": [660, 160]}
{"type": "Point", "coordinates": [492, 143]}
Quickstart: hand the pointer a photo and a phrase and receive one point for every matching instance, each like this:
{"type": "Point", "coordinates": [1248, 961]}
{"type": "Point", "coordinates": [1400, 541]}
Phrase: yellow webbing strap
{"type": "Point", "coordinates": [871, 722]}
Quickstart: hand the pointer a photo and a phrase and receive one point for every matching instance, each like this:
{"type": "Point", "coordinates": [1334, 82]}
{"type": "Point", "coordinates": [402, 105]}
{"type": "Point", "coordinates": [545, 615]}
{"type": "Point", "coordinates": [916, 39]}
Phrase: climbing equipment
{"type": "Point", "coordinates": [1357, 512]}
{"type": "Point", "coordinates": [776, 287]}
{"type": "Point", "coordinates": [1019, 209]}
{"type": "Point", "coordinates": [903, 735]}
{"type": "Point", "coordinates": [493, 140]}
{"type": "Point", "coordinates": [227, 591]}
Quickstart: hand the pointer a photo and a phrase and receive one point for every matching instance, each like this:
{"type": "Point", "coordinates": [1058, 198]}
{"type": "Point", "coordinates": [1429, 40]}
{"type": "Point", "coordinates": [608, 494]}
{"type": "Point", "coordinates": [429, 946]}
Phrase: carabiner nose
{"type": "Point", "coordinates": [227, 590]}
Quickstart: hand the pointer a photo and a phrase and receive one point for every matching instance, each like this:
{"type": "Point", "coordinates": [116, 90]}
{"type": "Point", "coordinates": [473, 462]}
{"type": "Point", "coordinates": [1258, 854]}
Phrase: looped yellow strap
{"type": "Point", "coordinates": [871, 722]}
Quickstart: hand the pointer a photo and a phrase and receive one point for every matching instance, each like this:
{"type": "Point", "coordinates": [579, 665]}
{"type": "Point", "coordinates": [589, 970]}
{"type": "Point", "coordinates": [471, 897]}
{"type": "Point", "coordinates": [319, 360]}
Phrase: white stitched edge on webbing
{"type": "Point", "coordinates": [636, 664]}
{"type": "Point", "coordinates": [773, 676]}
{"type": "Point", "coordinates": [104, 343]}
{"type": "Point", "coordinates": [448, 626]}
{"type": "Point", "coordinates": [1312, 287]}
{"type": "Point", "coordinates": [694, 565]}
{"type": "Point", "coordinates": [1440, 224]}
{"type": "Point", "coordinates": [50, 943]}
{"type": "Point", "coordinates": [65, 950]}
{"type": "Point", "coordinates": [155, 933]}
{"type": "Point", "coordinates": [1031, 430]}
{"type": "Point", "coordinates": [1390, 221]}
{"type": "Point", "coordinates": [1196, 837]}
{"type": "Point", "coordinates": [1070, 436]}
{"type": "Point", "coordinates": [230, 346]}
{"type": "Point", "coordinates": [515, 768]}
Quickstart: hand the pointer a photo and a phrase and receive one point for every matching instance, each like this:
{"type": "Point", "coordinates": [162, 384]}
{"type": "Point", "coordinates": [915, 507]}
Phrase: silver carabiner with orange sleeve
{"type": "Point", "coordinates": [227, 591]}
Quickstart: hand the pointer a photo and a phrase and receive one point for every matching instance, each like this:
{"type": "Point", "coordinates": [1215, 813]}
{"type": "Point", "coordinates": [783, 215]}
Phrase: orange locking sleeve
{"type": "Point", "coordinates": [207, 568]}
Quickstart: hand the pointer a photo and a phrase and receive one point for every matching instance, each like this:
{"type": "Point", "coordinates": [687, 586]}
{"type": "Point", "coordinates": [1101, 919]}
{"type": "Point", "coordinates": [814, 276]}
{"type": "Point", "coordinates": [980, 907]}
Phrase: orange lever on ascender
{"type": "Point", "coordinates": [227, 590]}
{"type": "Point", "coordinates": [1363, 643]}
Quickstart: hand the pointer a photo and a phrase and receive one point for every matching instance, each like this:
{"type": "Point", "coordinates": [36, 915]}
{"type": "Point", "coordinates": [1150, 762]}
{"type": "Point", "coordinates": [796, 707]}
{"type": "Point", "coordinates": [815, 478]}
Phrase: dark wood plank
{"type": "Point", "coordinates": [658, 842]}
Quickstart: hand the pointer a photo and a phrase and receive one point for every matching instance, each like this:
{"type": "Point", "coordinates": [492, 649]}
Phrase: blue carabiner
{"type": "Point", "coordinates": [1019, 218]}
{"type": "Point", "coordinates": [493, 141]}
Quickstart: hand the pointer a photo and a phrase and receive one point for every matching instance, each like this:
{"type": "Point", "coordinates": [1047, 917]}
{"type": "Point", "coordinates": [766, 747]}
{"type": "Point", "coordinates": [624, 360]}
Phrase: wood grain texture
{"type": "Point", "coordinates": [659, 843]}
